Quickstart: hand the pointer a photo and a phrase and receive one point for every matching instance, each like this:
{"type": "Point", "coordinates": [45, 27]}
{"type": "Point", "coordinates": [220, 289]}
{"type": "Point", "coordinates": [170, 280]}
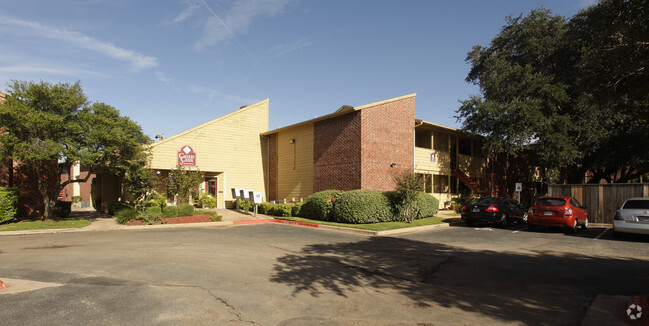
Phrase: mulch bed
{"type": "Point", "coordinates": [176, 220]}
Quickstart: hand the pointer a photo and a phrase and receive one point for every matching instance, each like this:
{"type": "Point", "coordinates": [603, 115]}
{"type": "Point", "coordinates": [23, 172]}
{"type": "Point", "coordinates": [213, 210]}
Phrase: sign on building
{"type": "Point", "coordinates": [186, 156]}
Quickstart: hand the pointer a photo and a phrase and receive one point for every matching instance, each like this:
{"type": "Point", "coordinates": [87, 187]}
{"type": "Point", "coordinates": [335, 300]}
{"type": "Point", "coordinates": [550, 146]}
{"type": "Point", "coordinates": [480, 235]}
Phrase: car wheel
{"type": "Point", "coordinates": [525, 218]}
{"type": "Point", "coordinates": [573, 228]}
{"type": "Point", "coordinates": [585, 224]}
{"type": "Point", "coordinates": [503, 220]}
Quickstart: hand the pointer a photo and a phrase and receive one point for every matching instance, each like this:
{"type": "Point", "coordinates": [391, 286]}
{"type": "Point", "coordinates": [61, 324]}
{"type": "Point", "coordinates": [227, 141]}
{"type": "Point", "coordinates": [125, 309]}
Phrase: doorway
{"type": "Point", "coordinates": [212, 188]}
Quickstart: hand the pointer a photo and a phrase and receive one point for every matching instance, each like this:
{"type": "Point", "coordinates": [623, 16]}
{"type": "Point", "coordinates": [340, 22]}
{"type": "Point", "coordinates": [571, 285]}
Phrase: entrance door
{"type": "Point", "coordinates": [210, 185]}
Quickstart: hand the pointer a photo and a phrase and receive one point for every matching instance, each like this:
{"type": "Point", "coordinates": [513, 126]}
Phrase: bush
{"type": "Point", "coordinates": [63, 208]}
{"type": "Point", "coordinates": [124, 215]}
{"type": "Point", "coordinates": [319, 206]}
{"type": "Point", "coordinates": [76, 199]}
{"type": "Point", "coordinates": [185, 210]}
{"type": "Point", "coordinates": [214, 216]}
{"type": "Point", "coordinates": [296, 208]}
{"type": "Point", "coordinates": [157, 200]}
{"type": "Point", "coordinates": [170, 211]}
{"type": "Point", "coordinates": [264, 208]}
{"type": "Point", "coordinates": [244, 205]}
{"type": "Point", "coordinates": [8, 203]}
{"type": "Point", "coordinates": [283, 210]}
{"type": "Point", "coordinates": [207, 200]}
{"type": "Point", "coordinates": [117, 206]}
{"type": "Point", "coordinates": [424, 205]}
{"type": "Point", "coordinates": [361, 206]}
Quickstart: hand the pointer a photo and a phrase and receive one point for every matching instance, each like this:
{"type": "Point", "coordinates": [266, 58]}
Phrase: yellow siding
{"type": "Point", "coordinates": [442, 164]}
{"type": "Point", "coordinates": [229, 145]}
{"type": "Point", "coordinates": [295, 163]}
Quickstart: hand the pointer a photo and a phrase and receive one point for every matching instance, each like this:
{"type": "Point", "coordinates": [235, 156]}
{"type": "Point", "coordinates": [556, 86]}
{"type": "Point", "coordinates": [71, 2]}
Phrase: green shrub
{"type": "Point", "coordinates": [296, 208]}
{"type": "Point", "coordinates": [63, 208]}
{"type": "Point", "coordinates": [264, 208]}
{"type": "Point", "coordinates": [153, 212]}
{"type": "Point", "coordinates": [117, 206]}
{"type": "Point", "coordinates": [424, 205]}
{"type": "Point", "coordinates": [319, 206]}
{"type": "Point", "coordinates": [170, 211]}
{"type": "Point", "coordinates": [244, 205]}
{"type": "Point", "coordinates": [362, 206]}
{"type": "Point", "coordinates": [156, 200]}
{"type": "Point", "coordinates": [214, 216]}
{"type": "Point", "coordinates": [8, 203]}
{"type": "Point", "coordinates": [185, 210]}
{"type": "Point", "coordinates": [207, 200]}
{"type": "Point", "coordinates": [283, 210]}
{"type": "Point", "coordinates": [76, 199]}
{"type": "Point", "coordinates": [124, 215]}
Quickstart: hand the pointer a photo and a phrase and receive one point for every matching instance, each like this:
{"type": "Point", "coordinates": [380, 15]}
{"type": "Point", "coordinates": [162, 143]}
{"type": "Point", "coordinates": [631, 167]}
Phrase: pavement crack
{"type": "Point", "coordinates": [217, 298]}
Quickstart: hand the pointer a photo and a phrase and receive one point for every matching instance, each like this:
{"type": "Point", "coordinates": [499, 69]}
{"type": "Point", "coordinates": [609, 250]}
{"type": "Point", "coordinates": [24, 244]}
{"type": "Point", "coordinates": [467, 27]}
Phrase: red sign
{"type": "Point", "coordinates": [186, 156]}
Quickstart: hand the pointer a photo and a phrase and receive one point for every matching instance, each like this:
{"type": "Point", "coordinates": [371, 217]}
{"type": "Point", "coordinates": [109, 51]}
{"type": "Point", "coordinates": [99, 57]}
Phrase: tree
{"type": "Point", "coordinates": [182, 183]}
{"type": "Point", "coordinates": [408, 186]}
{"type": "Point", "coordinates": [47, 128]}
{"type": "Point", "coordinates": [575, 92]}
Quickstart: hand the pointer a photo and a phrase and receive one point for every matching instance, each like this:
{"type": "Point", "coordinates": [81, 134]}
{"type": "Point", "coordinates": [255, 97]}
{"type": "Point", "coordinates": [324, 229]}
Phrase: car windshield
{"type": "Point", "coordinates": [488, 201]}
{"type": "Point", "coordinates": [550, 202]}
{"type": "Point", "coordinates": [636, 204]}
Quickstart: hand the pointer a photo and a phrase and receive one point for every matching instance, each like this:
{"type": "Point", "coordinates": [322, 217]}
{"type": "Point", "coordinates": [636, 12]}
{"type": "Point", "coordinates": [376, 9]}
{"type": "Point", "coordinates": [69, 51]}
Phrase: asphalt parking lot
{"type": "Point", "coordinates": [275, 274]}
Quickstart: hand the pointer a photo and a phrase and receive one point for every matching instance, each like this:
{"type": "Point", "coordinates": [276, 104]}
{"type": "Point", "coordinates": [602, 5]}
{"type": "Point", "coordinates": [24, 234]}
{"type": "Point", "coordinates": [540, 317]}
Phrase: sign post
{"type": "Point", "coordinates": [519, 188]}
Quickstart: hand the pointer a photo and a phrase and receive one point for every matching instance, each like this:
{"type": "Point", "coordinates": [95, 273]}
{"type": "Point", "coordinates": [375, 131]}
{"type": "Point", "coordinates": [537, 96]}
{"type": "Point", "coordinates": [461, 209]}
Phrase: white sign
{"type": "Point", "coordinates": [236, 193]}
{"type": "Point", "coordinates": [519, 186]}
{"type": "Point", "coordinates": [245, 194]}
{"type": "Point", "coordinates": [256, 197]}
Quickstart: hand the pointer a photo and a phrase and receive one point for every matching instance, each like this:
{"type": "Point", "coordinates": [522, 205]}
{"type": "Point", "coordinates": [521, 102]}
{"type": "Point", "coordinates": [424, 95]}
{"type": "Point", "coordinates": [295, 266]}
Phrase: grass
{"type": "Point", "coordinates": [64, 223]}
{"type": "Point", "coordinates": [384, 226]}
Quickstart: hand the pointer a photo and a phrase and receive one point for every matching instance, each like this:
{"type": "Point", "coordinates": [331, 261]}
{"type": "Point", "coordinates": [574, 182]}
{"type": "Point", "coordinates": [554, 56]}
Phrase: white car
{"type": "Point", "coordinates": [632, 216]}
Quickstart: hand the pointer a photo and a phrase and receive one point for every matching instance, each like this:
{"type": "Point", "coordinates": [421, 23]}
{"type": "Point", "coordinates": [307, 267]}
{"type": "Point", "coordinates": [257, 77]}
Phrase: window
{"type": "Point", "coordinates": [464, 146]}
{"type": "Point", "coordinates": [423, 139]}
{"type": "Point", "coordinates": [440, 183]}
{"type": "Point", "coordinates": [440, 142]}
{"type": "Point", "coordinates": [636, 204]}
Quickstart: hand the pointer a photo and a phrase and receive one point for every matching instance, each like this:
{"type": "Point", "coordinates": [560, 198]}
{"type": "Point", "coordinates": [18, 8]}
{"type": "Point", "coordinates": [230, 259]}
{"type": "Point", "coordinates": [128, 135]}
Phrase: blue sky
{"type": "Point", "coordinates": [174, 64]}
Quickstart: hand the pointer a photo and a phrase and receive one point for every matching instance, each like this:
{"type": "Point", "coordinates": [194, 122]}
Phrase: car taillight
{"type": "Point", "coordinates": [568, 212]}
{"type": "Point", "coordinates": [464, 208]}
{"type": "Point", "coordinates": [491, 209]}
{"type": "Point", "coordinates": [617, 216]}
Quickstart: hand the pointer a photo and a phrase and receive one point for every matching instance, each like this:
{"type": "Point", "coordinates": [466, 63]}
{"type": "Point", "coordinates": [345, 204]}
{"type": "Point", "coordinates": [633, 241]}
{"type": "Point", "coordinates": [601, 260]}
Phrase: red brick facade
{"type": "Point", "coordinates": [30, 202]}
{"type": "Point", "coordinates": [337, 153]}
{"type": "Point", "coordinates": [387, 142]}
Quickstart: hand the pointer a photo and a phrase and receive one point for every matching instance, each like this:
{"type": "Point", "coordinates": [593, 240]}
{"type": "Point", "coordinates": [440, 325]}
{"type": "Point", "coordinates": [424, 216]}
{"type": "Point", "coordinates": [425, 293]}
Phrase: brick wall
{"type": "Point", "coordinates": [337, 153]}
{"type": "Point", "coordinates": [387, 137]}
{"type": "Point", "coordinates": [272, 167]}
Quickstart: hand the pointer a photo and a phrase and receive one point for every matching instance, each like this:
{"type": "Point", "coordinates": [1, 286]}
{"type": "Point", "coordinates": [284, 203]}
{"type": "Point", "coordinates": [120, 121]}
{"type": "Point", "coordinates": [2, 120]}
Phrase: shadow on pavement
{"type": "Point", "coordinates": [540, 288]}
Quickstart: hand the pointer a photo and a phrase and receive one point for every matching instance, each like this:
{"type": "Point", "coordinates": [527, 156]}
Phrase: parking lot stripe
{"type": "Point", "coordinates": [521, 229]}
{"type": "Point", "coordinates": [601, 234]}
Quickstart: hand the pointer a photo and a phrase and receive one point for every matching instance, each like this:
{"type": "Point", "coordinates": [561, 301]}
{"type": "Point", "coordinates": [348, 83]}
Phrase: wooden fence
{"type": "Point", "coordinates": [602, 199]}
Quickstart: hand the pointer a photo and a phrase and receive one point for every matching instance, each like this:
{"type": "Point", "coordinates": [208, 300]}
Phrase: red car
{"type": "Point", "coordinates": [557, 211]}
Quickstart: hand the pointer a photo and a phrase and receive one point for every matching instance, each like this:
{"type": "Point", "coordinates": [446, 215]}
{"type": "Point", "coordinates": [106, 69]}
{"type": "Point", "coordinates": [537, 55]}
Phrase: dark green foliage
{"type": "Point", "coordinates": [117, 206]}
{"type": "Point", "coordinates": [319, 206]}
{"type": "Point", "coordinates": [8, 203]}
{"type": "Point", "coordinates": [408, 185]}
{"type": "Point", "coordinates": [361, 206]}
{"type": "Point", "coordinates": [183, 183]}
{"type": "Point", "coordinates": [170, 211]}
{"type": "Point", "coordinates": [153, 212]}
{"type": "Point", "coordinates": [125, 215]}
{"type": "Point", "coordinates": [296, 208]}
{"type": "Point", "coordinates": [283, 210]}
{"type": "Point", "coordinates": [185, 210]}
{"type": "Point", "coordinates": [264, 208]}
{"type": "Point", "coordinates": [423, 205]}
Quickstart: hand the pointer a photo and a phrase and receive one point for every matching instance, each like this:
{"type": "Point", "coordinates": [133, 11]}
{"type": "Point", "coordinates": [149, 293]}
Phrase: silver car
{"type": "Point", "coordinates": [632, 216]}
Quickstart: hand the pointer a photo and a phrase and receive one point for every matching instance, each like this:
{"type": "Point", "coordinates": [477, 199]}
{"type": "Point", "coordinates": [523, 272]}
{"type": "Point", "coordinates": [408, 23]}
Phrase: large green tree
{"type": "Point", "coordinates": [574, 91]}
{"type": "Point", "coordinates": [48, 127]}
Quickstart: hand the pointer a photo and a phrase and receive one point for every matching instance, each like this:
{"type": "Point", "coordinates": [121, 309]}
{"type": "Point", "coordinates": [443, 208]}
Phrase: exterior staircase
{"type": "Point", "coordinates": [478, 185]}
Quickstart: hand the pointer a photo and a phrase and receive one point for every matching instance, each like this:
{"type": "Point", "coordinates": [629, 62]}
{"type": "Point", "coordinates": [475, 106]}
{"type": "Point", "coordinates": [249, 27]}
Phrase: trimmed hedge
{"type": "Point", "coordinates": [170, 211]}
{"type": "Point", "coordinates": [8, 203]}
{"type": "Point", "coordinates": [319, 206]}
{"type": "Point", "coordinates": [125, 215]}
{"type": "Point", "coordinates": [424, 205]}
{"type": "Point", "coordinates": [361, 207]}
{"type": "Point", "coordinates": [185, 210]}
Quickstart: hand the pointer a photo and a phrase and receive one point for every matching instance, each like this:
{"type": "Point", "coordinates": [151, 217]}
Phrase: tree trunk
{"type": "Point", "coordinates": [49, 205]}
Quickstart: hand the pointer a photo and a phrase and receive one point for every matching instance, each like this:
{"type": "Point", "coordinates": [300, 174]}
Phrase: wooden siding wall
{"type": "Point", "coordinates": [295, 163]}
{"type": "Point", "coordinates": [230, 146]}
{"type": "Point", "coordinates": [602, 199]}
